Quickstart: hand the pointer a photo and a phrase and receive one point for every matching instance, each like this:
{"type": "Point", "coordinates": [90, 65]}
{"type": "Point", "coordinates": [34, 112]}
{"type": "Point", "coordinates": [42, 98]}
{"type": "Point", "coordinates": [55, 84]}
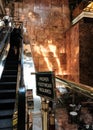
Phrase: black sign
{"type": "Point", "coordinates": [45, 84]}
{"type": "Point", "coordinates": [29, 95]}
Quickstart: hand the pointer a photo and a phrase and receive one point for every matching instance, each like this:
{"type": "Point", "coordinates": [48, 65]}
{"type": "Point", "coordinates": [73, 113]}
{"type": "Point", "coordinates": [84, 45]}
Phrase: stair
{"type": "Point", "coordinates": [8, 83]}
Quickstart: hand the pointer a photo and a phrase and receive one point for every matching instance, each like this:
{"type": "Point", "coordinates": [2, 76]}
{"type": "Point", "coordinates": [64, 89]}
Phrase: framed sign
{"type": "Point", "coordinates": [45, 84]}
{"type": "Point", "coordinates": [29, 96]}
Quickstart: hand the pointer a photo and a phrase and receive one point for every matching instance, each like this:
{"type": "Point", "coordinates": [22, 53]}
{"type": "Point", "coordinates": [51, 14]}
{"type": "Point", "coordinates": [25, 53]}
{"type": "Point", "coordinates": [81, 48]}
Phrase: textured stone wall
{"type": "Point", "coordinates": [72, 51]}
{"type": "Point", "coordinates": [46, 26]}
{"type": "Point", "coordinates": [54, 43]}
{"type": "Point", "coordinates": [86, 52]}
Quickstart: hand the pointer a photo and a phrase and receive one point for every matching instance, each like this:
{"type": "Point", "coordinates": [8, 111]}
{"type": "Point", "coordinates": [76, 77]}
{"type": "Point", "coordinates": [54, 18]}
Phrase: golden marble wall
{"type": "Point", "coordinates": [72, 51]}
{"type": "Point", "coordinates": [54, 45]}
{"type": "Point", "coordinates": [86, 51]}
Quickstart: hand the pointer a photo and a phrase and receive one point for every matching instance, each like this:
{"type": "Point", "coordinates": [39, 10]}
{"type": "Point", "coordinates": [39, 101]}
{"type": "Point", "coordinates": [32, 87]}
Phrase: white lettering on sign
{"type": "Point", "coordinates": [41, 84]}
{"type": "Point", "coordinates": [44, 79]}
{"type": "Point", "coordinates": [45, 90]}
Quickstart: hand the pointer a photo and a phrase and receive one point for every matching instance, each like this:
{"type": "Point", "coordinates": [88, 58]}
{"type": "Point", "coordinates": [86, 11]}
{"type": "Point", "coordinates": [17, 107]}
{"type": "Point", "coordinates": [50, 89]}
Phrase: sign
{"type": "Point", "coordinates": [45, 84]}
{"type": "Point", "coordinates": [29, 95]}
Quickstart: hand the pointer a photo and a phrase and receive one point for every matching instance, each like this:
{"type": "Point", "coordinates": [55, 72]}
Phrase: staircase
{"type": "Point", "coordinates": [8, 84]}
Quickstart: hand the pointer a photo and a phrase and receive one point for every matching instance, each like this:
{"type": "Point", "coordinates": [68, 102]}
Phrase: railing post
{"type": "Point", "coordinates": [45, 114]}
{"type": "Point", "coordinates": [51, 122]}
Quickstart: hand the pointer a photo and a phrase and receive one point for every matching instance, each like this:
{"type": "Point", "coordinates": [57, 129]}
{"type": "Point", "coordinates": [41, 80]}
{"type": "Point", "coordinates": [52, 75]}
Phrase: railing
{"type": "Point", "coordinates": [19, 112]}
{"type": "Point", "coordinates": [21, 92]}
{"type": "Point", "coordinates": [5, 39]}
{"type": "Point", "coordinates": [78, 87]}
{"type": "Point", "coordinates": [4, 49]}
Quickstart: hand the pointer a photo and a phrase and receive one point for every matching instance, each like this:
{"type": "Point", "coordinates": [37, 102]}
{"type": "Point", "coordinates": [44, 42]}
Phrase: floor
{"type": "Point", "coordinates": [63, 121]}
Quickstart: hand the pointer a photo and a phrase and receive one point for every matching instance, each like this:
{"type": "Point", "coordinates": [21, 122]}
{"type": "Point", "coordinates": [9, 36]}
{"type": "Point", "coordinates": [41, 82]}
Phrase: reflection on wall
{"type": "Point", "coordinates": [72, 50]}
{"type": "Point", "coordinates": [54, 46]}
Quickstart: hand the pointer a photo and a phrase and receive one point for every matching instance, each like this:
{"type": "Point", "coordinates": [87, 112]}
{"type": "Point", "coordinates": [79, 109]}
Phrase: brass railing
{"type": "Point", "coordinates": [78, 87]}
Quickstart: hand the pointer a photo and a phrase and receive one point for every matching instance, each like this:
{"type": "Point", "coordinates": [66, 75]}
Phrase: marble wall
{"type": "Point", "coordinates": [86, 51]}
{"type": "Point", "coordinates": [72, 51]}
{"type": "Point", "coordinates": [54, 42]}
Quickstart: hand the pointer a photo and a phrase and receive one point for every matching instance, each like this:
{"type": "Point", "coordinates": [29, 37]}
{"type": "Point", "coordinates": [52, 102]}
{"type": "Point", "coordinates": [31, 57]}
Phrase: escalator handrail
{"type": "Point", "coordinates": [4, 49]}
{"type": "Point", "coordinates": [4, 40]}
{"type": "Point", "coordinates": [21, 91]}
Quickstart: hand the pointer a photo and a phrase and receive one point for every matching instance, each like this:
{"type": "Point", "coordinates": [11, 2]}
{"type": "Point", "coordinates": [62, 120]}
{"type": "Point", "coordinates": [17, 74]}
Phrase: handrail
{"type": "Point", "coordinates": [21, 92]}
{"type": "Point", "coordinates": [78, 87]}
{"type": "Point", "coordinates": [4, 49]}
{"type": "Point", "coordinates": [4, 40]}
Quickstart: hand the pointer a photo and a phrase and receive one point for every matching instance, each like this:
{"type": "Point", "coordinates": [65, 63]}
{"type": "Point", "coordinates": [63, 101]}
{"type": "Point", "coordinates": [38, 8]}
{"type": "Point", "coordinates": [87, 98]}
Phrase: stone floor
{"type": "Point", "coordinates": [64, 121]}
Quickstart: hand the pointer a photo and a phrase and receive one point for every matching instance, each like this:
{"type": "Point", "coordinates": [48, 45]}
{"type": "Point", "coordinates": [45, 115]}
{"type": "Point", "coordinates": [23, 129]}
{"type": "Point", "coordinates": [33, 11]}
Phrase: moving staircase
{"type": "Point", "coordinates": [8, 83]}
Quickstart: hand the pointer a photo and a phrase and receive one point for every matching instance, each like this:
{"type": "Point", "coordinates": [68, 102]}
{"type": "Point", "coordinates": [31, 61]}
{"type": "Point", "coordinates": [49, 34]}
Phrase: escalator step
{"type": "Point", "coordinates": [12, 58]}
{"type": "Point", "coordinates": [7, 116]}
{"type": "Point", "coordinates": [7, 104]}
{"type": "Point", "coordinates": [6, 95]}
{"type": "Point", "coordinates": [11, 67]}
{"type": "Point", "coordinates": [7, 85]}
{"type": "Point", "coordinates": [11, 61]}
{"type": "Point", "coordinates": [5, 123]}
{"type": "Point", "coordinates": [4, 114]}
{"type": "Point", "coordinates": [6, 101]}
{"type": "Point", "coordinates": [7, 91]}
{"type": "Point", "coordinates": [8, 128]}
{"type": "Point", "coordinates": [8, 78]}
{"type": "Point", "coordinates": [9, 72]}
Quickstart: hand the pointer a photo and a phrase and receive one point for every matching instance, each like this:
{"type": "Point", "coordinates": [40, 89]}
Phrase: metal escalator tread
{"type": "Point", "coordinates": [5, 123]}
{"type": "Point", "coordinates": [8, 95]}
{"type": "Point", "coordinates": [6, 112]}
{"type": "Point", "coordinates": [7, 91]}
{"type": "Point", "coordinates": [12, 60]}
{"type": "Point", "coordinates": [11, 67]}
{"type": "Point", "coordinates": [6, 116]}
{"type": "Point", "coordinates": [7, 128]}
{"type": "Point", "coordinates": [3, 101]}
{"type": "Point", "coordinates": [5, 83]}
{"type": "Point", "coordinates": [7, 104]}
{"type": "Point", "coordinates": [10, 72]}
{"type": "Point", "coordinates": [8, 78]}
{"type": "Point", "coordinates": [8, 84]}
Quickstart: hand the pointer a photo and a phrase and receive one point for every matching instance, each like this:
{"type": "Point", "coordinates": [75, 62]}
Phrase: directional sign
{"type": "Point", "coordinates": [45, 84]}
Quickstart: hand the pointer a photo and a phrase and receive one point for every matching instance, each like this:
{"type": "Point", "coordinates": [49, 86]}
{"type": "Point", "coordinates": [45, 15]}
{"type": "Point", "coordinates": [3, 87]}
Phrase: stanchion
{"type": "Point", "coordinates": [51, 122]}
{"type": "Point", "coordinates": [27, 121]}
{"type": "Point", "coordinates": [45, 114]}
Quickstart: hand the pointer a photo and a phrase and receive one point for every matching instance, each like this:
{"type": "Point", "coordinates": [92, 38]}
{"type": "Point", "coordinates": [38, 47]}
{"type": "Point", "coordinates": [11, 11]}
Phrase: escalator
{"type": "Point", "coordinates": [9, 88]}
{"type": "Point", "coordinates": [8, 83]}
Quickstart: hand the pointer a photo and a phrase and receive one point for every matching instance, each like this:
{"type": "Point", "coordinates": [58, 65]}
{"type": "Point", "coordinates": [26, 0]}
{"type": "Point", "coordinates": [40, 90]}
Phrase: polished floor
{"type": "Point", "coordinates": [65, 121]}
